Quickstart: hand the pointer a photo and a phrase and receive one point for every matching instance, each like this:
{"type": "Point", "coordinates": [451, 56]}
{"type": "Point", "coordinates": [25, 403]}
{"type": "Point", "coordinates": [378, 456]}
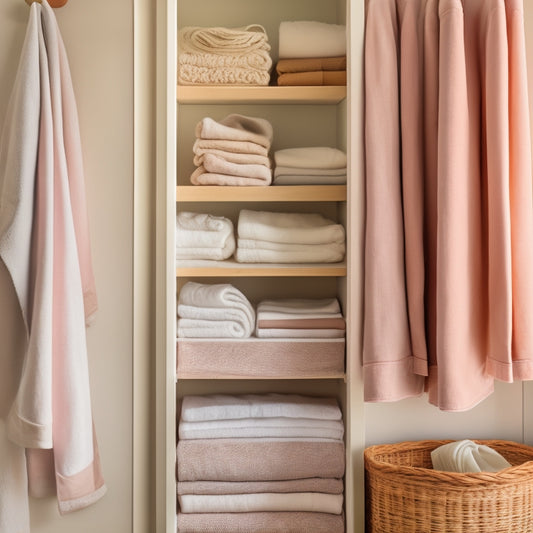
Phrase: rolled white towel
{"type": "Point", "coordinates": [467, 456]}
{"type": "Point", "coordinates": [322, 157]}
{"type": "Point", "coordinates": [297, 228]}
{"type": "Point", "coordinates": [305, 38]}
{"type": "Point", "coordinates": [236, 127]}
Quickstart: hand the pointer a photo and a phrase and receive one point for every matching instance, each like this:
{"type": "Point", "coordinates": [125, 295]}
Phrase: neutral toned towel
{"type": "Point", "coordinates": [277, 358]}
{"type": "Point", "coordinates": [304, 323]}
{"type": "Point", "coordinates": [284, 66]}
{"type": "Point", "coordinates": [281, 333]}
{"type": "Point", "coordinates": [314, 502]}
{"type": "Point", "coordinates": [467, 456]}
{"type": "Point", "coordinates": [306, 179]}
{"type": "Point", "coordinates": [236, 127]}
{"type": "Point", "coordinates": [227, 406]}
{"type": "Point", "coordinates": [218, 165]}
{"type": "Point", "coordinates": [233, 157]}
{"type": "Point", "coordinates": [201, 146]}
{"type": "Point", "coordinates": [192, 75]}
{"type": "Point", "coordinates": [325, 485]}
{"type": "Point", "coordinates": [305, 38]}
{"type": "Point", "coordinates": [284, 427]}
{"type": "Point", "coordinates": [296, 171]}
{"type": "Point", "coordinates": [301, 306]}
{"type": "Point", "coordinates": [298, 228]}
{"type": "Point", "coordinates": [258, 459]}
{"type": "Point", "coordinates": [319, 253]}
{"type": "Point", "coordinates": [201, 177]}
{"type": "Point", "coordinates": [317, 77]}
{"type": "Point", "coordinates": [269, 522]}
{"type": "Point", "coordinates": [312, 157]}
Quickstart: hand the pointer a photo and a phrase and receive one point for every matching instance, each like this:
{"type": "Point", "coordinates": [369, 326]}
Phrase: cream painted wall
{"type": "Point", "coordinates": [99, 39]}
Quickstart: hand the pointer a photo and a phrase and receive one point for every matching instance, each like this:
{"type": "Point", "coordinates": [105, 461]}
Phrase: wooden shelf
{"type": "Point", "coordinates": [221, 94]}
{"type": "Point", "coordinates": [282, 193]}
{"type": "Point", "coordinates": [230, 268]}
{"type": "Point", "coordinates": [218, 376]}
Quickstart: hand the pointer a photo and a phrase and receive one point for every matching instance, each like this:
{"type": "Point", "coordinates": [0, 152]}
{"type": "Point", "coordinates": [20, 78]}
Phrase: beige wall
{"type": "Point", "coordinates": [99, 39]}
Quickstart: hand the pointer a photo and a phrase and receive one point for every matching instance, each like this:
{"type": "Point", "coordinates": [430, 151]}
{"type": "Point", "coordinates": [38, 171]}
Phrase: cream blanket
{"type": "Point", "coordinates": [311, 39]}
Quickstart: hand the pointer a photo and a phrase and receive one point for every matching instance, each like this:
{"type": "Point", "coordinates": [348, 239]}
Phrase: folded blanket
{"type": "Point", "coordinates": [319, 253]}
{"type": "Point", "coordinates": [202, 236]}
{"type": "Point", "coordinates": [316, 77]}
{"type": "Point", "coordinates": [193, 75]}
{"type": "Point", "coordinates": [236, 127]}
{"type": "Point", "coordinates": [202, 146]}
{"type": "Point", "coordinates": [315, 502]}
{"type": "Point", "coordinates": [325, 485]}
{"type": "Point", "coordinates": [218, 165]}
{"type": "Point", "coordinates": [316, 157]}
{"type": "Point", "coordinates": [310, 64]}
{"type": "Point", "coordinates": [233, 157]}
{"type": "Point", "coordinates": [304, 38]}
{"type": "Point", "coordinates": [303, 323]}
{"type": "Point", "coordinates": [283, 427]}
{"type": "Point", "coordinates": [298, 228]}
{"type": "Point", "coordinates": [227, 406]}
{"type": "Point", "coordinates": [295, 171]}
{"type": "Point", "coordinates": [317, 307]}
{"type": "Point", "coordinates": [258, 459]}
{"type": "Point", "coordinates": [267, 522]}
{"type": "Point", "coordinates": [467, 456]}
{"type": "Point", "coordinates": [306, 179]}
{"type": "Point", "coordinates": [201, 177]}
{"type": "Point", "coordinates": [280, 333]}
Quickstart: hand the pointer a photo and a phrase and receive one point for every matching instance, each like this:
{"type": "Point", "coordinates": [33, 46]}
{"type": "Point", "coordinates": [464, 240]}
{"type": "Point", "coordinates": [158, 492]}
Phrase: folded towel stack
{"type": "Point", "coordinates": [214, 311]}
{"type": "Point", "coordinates": [233, 151]}
{"type": "Point", "coordinates": [311, 53]}
{"type": "Point", "coordinates": [216, 56]}
{"type": "Point", "coordinates": [314, 165]}
{"type": "Point", "coordinates": [255, 463]}
{"type": "Point", "coordinates": [265, 237]}
{"type": "Point", "coordinates": [300, 318]}
{"type": "Point", "coordinates": [202, 236]}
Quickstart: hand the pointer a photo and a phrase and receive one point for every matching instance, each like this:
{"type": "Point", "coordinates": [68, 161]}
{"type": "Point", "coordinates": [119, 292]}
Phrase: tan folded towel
{"type": "Point", "coordinates": [315, 77]}
{"type": "Point", "coordinates": [310, 64]}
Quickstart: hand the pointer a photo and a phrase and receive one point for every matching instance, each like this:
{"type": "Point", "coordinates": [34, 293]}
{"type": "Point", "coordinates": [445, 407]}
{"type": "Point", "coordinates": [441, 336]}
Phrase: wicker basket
{"type": "Point", "coordinates": [405, 495]}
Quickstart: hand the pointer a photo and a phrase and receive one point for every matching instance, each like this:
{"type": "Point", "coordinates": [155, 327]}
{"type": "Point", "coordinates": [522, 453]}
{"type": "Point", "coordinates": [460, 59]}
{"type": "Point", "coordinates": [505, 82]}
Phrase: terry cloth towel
{"type": "Point", "coordinates": [236, 127]}
{"type": "Point", "coordinates": [285, 66]}
{"type": "Point", "coordinates": [303, 323]}
{"type": "Point", "coordinates": [325, 485]}
{"type": "Point", "coordinates": [314, 502]}
{"type": "Point", "coordinates": [467, 456]}
{"type": "Point", "coordinates": [284, 333]}
{"type": "Point", "coordinates": [316, 77]}
{"type": "Point", "coordinates": [226, 406]}
{"type": "Point", "coordinates": [258, 459]}
{"type": "Point", "coordinates": [203, 236]}
{"type": "Point", "coordinates": [262, 427]}
{"type": "Point", "coordinates": [44, 244]}
{"type": "Point", "coordinates": [267, 522]}
{"type": "Point", "coordinates": [312, 157]}
{"type": "Point", "coordinates": [202, 146]}
{"type": "Point", "coordinates": [312, 307]}
{"type": "Point", "coordinates": [294, 171]}
{"type": "Point", "coordinates": [296, 228]}
{"type": "Point", "coordinates": [304, 38]}
{"type": "Point", "coordinates": [201, 177]}
{"type": "Point", "coordinates": [306, 179]}
{"type": "Point", "coordinates": [232, 157]}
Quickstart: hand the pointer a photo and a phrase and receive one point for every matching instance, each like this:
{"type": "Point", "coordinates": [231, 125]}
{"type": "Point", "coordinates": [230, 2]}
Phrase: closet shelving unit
{"type": "Point", "coordinates": [301, 116]}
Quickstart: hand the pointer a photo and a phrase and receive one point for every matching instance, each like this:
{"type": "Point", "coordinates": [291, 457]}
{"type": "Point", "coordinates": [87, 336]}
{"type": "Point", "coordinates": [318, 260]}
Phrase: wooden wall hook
{"type": "Point", "coordinates": [53, 3]}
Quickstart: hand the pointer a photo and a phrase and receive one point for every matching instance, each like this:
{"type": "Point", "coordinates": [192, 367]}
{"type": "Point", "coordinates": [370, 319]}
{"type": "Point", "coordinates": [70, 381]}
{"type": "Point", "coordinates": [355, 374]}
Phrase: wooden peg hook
{"type": "Point", "coordinates": [53, 3]}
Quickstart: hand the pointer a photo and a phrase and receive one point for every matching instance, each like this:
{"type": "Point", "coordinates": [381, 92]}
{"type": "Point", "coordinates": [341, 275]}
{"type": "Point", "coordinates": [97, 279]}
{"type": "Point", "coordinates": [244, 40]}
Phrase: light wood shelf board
{"type": "Point", "coordinates": [182, 375]}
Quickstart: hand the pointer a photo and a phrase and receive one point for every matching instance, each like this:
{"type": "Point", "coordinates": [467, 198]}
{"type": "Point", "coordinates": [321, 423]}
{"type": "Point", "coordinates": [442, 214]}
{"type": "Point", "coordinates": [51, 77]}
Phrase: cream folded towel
{"type": "Point", "coordinates": [316, 157]}
{"type": "Point", "coordinates": [294, 171]}
{"type": "Point", "coordinates": [218, 165]}
{"type": "Point", "coordinates": [311, 39]}
{"type": "Point", "coordinates": [201, 146]}
{"type": "Point", "coordinates": [201, 177]}
{"type": "Point", "coordinates": [467, 456]}
{"type": "Point", "coordinates": [245, 503]}
{"type": "Point", "coordinates": [315, 307]}
{"type": "Point", "coordinates": [194, 75]}
{"type": "Point", "coordinates": [292, 333]}
{"type": "Point", "coordinates": [306, 179]}
{"type": "Point", "coordinates": [232, 157]}
{"type": "Point", "coordinates": [297, 228]}
{"type": "Point", "coordinates": [226, 406]}
{"type": "Point", "coordinates": [237, 127]}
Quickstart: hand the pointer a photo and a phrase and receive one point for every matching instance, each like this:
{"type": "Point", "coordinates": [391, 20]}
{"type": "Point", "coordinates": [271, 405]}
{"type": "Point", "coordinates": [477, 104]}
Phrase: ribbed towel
{"type": "Point", "coordinates": [203, 236]}
{"type": "Point", "coordinates": [297, 228]}
{"type": "Point", "coordinates": [258, 459]}
{"type": "Point", "coordinates": [268, 522]}
{"type": "Point", "coordinates": [467, 456]}
{"type": "Point", "coordinates": [304, 38]}
{"type": "Point", "coordinates": [227, 406]}
{"type": "Point", "coordinates": [325, 485]}
{"type": "Point", "coordinates": [314, 502]}
{"type": "Point", "coordinates": [193, 75]}
{"type": "Point", "coordinates": [283, 427]}
{"type": "Point", "coordinates": [317, 157]}
{"type": "Point", "coordinates": [236, 127]}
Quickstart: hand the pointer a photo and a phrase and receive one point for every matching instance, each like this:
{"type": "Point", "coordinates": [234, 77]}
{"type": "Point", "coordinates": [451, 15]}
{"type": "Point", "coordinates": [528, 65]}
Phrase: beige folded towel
{"type": "Point", "coordinates": [236, 127]}
{"type": "Point", "coordinates": [323, 157]}
{"type": "Point", "coordinates": [218, 165]}
{"type": "Point", "coordinates": [240, 158]}
{"type": "Point", "coordinates": [201, 146]}
{"type": "Point", "coordinates": [201, 177]}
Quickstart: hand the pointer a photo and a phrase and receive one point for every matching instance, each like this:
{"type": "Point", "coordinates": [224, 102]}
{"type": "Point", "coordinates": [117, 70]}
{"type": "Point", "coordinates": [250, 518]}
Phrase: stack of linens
{"type": "Point", "coordinates": [314, 165]}
{"type": "Point", "coordinates": [203, 236]}
{"type": "Point", "coordinates": [300, 318]}
{"type": "Point", "coordinates": [265, 237]}
{"type": "Point", "coordinates": [214, 56]}
{"type": "Point", "coordinates": [233, 151]}
{"type": "Point", "coordinates": [311, 53]}
{"type": "Point", "coordinates": [214, 311]}
{"type": "Point", "coordinates": [260, 463]}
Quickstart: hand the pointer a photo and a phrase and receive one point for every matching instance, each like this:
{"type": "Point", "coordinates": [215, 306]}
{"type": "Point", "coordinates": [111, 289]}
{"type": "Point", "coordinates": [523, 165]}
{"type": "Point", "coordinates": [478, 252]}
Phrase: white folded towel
{"type": "Point", "coordinates": [297, 228]}
{"type": "Point", "coordinates": [227, 406]}
{"type": "Point", "coordinates": [212, 329]}
{"type": "Point", "coordinates": [314, 307]}
{"type": "Point", "coordinates": [310, 253]}
{"type": "Point", "coordinates": [322, 157]}
{"type": "Point", "coordinates": [261, 502]}
{"type": "Point", "coordinates": [467, 456]}
{"type": "Point", "coordinates": [304, 38]}
{"type": "Point", "coordinates": [237, 127]}
{"type": "Point", "coordinates": [292, 333]}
